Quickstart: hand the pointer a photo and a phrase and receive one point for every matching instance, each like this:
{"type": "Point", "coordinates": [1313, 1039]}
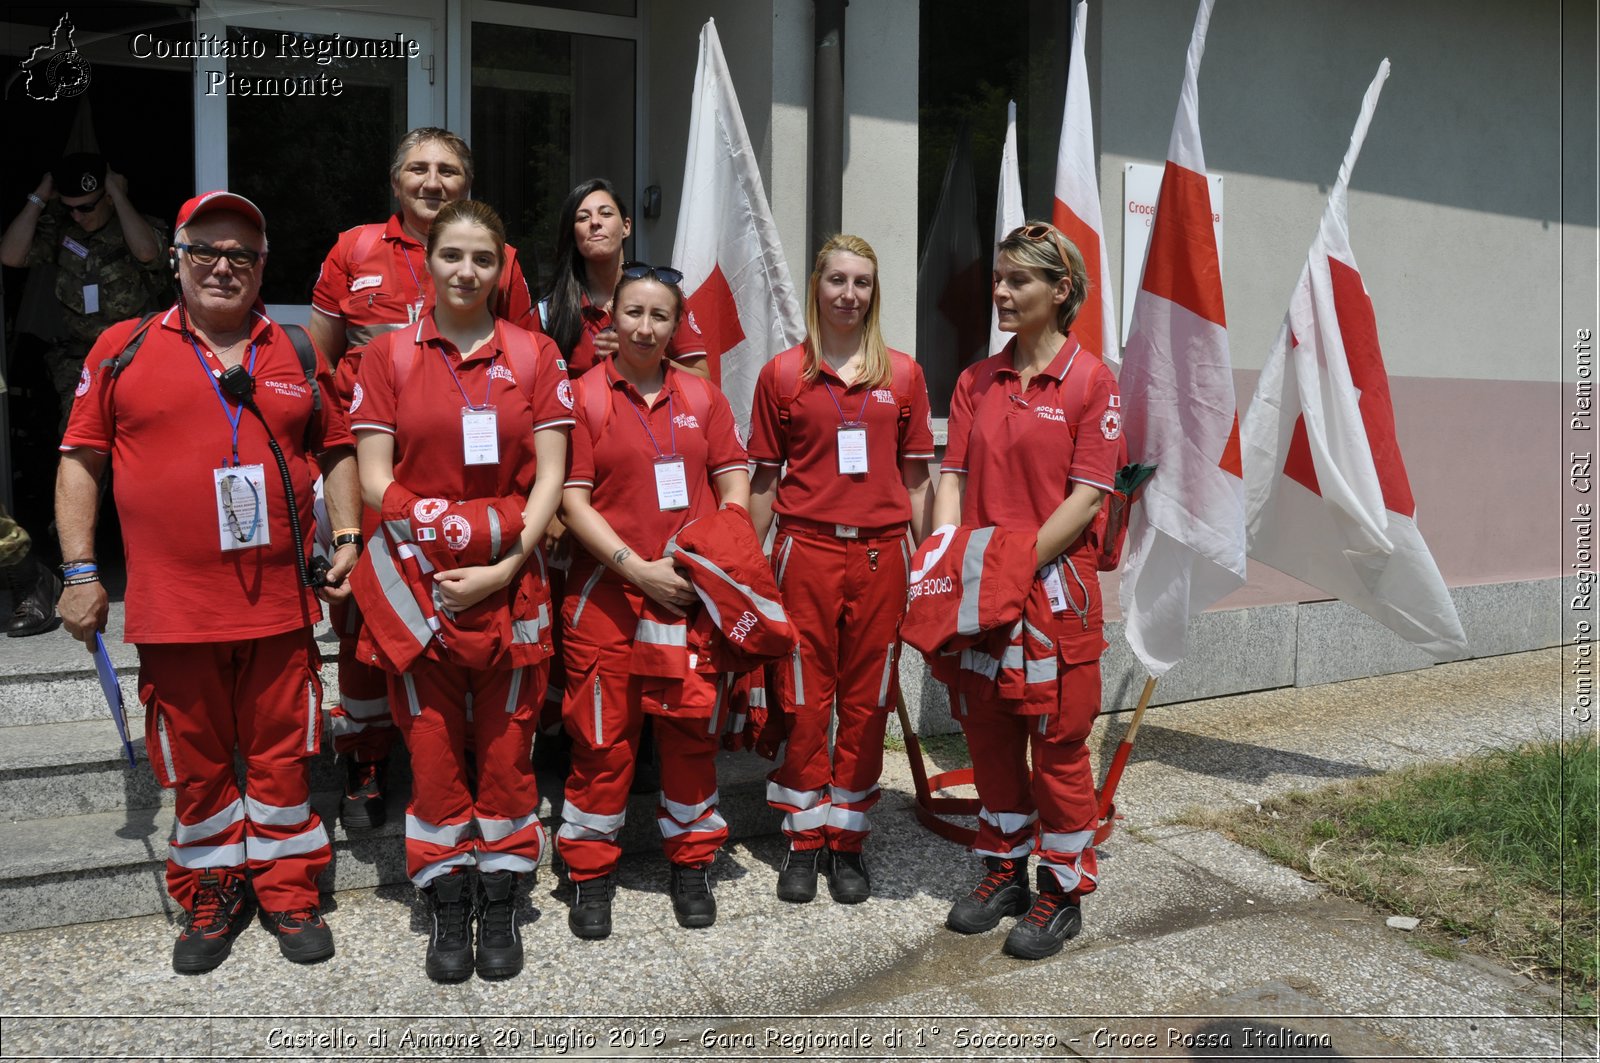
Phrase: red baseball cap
{"type": "Point", "coordinates": [208, 202]}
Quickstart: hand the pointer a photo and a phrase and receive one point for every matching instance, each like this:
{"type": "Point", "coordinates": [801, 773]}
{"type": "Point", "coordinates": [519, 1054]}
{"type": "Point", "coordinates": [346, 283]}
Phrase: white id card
{"type": "Point", "coordinates": [242, 522]}
{"type": "Point", "coordinates": [852, 448]}
{"type": "Point", "coordinates": [1050, 575]}
{"type": "Point", "coordinates": [480, 437]}
{"type": "Point", "coordinates": [91, 298]}
{"type": "Point", "coordinates": [672, 485]}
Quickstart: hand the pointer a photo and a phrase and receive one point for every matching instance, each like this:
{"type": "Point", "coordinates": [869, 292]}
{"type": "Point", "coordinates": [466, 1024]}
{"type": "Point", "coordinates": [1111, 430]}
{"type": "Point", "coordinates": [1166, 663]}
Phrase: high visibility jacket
{"type": "Point", "coordinates": [982, 619]}
{"type": "Point", "coordinates": [406, 618]}
{"type": "Point", "coordinates": [742, 623]}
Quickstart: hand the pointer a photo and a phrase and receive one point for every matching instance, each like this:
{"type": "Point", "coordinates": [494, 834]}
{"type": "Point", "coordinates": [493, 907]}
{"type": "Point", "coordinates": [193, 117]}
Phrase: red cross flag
{"type": "Point", "coordinates": [1327, 497]}
{"type": "Point", "coordinates": [1076, 211]}
{"type": "Point", "coordinates": [1185, 544]}
{"type": "Point", "coordinates": [740, 297]}
{"type": "Point", "coordinates": [1008, 214]}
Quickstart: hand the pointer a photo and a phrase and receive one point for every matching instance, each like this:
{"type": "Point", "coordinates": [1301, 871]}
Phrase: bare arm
{"type": "Point", "coordinates": [341, 493]}
{"type": "Point", "coordinates": [83, 608]}
{"type": "Point", "coordinates": [948, 500]}
{"type": "Point", "coordinates": [733, 488]}
{"type": "Point", "coordinates": [763, 492]}
{"type": "Point", "coordinates": [19, 237]}
{"type": "Point", "coordinates": [375, 466]}
{"type": "Point", "coordinates": [1062, 528]}
{"type": "Point", "coordinates": [328, 334]}
{"type": "Point", "coordinates": [136, 232]}
{"type": "Point", "coordinates": [919, 486]}
{"type": "Point", "coordinates": [656, 578]}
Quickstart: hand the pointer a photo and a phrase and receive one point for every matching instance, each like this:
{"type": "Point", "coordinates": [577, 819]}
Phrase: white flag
{"type": "Point", "coordinates": [1328, 500]}
{"type": "Point", "coordinates": [740, 298]}
{"type": "Point", "coordinates": [1185, 544]}
{"type": "Point", "coordinates": [1008, 214]}
{"type": "Point", "coordinates": [1076, 211]}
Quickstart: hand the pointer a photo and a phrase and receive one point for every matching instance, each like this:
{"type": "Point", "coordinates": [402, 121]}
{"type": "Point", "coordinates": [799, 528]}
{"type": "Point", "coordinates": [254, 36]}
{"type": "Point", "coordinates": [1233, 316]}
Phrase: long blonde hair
{"type": "Point", "coordinates": [876, 370]}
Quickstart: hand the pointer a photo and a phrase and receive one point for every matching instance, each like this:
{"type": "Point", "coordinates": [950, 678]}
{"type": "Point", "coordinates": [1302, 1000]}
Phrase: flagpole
{"type": "Point", "coordinates": [1119, 761]}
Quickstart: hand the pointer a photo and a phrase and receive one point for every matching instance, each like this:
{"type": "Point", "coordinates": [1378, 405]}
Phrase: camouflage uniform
{"type": "Point", "coordinates": [128, 288]}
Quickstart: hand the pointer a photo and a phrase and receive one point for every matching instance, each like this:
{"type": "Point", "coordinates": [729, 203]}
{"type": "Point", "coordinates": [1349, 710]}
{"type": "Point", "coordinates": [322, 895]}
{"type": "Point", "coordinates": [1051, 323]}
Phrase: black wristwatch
{"type": "Point", "coordinates": [348, 539]}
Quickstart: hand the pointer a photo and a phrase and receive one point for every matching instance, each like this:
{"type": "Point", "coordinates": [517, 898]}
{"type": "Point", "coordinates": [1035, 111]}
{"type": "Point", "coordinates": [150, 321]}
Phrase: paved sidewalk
{"type": "Point", "coordinates": [1194, 947]}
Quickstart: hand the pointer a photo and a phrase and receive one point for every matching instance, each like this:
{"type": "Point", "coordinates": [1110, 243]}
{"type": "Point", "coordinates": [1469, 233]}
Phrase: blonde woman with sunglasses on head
{"type": "Point", "coordinates": [1034, 444]}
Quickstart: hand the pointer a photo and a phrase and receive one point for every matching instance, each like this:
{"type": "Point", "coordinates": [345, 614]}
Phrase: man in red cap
{"type": "Point", "coordinates": [208, 430]}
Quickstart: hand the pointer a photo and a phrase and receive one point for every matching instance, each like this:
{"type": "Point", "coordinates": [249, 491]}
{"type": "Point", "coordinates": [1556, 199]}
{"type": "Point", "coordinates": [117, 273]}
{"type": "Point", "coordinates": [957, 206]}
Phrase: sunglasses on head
{"type": "Point", "coordinates": [665, 274]}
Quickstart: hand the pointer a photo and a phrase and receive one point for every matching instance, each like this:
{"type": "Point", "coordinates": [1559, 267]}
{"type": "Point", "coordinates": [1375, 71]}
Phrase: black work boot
{"type": "Point", "coordinates": [450, 943]}
{"type": "Point", "coordinates": [221, 909]}
{"type": "Point", "coordinates": [499, 942]}
{"type": "Point", "coordinates": [848, 880]}
{"type": "Point", "coordinates": [34, 590]}
{"type": "Point", "coordinates": [303, 935]}
{"type": "Point", "coordinates": [1050, 923]}
{"type": "Point", "coordinates": [590, 917]}
{"type": "Point", "coordinates": [1003, 891]}
{"type": "Point", "coordinates": [692, 901]}
{"type": "Point", "coordinates": [797, 879]}
{"type": "Point", "coordinates": [363, 806]}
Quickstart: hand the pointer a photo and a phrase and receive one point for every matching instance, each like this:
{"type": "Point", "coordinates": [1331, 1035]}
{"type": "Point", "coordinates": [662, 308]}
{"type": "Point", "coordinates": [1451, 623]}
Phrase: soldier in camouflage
{"type": "Point", "coordinates": [108, 259]}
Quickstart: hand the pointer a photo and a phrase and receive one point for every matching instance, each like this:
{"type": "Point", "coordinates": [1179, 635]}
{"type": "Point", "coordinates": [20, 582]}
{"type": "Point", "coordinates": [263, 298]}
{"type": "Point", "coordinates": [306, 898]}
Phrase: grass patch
{"type": "Point", "coordinates": [1495, 853]}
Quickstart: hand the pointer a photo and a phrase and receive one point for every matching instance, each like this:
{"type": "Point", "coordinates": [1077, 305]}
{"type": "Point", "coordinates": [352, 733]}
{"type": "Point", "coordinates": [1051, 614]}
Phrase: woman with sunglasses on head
{"type": "Point", "coordinates": [654, 449]}
{"type": "Point", "coordinates": [1034, 444]}
{"type": "Point", "coordinates": [849, 418]}
{"type": "Point", "coordinates": [463, 406]}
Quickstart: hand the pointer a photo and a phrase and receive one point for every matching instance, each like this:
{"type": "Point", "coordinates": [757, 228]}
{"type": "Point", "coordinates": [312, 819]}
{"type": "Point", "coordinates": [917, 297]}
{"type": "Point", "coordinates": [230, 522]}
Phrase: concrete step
{"type": "Point", "coordinates": [82, 868]}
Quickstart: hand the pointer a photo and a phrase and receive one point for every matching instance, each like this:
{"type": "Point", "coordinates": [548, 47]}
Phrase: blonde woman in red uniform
{"type": "Point", "coordinates": [849, 418]}
{"type": "Point", "coordinates": [463, 406]}
{"type": "Point", "coordinates": [1033, 444]}
{"type": "Point", "coordinates": [654, 448]}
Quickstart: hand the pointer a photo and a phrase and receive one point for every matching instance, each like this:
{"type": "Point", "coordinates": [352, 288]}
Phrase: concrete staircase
{"type": "Point", "coordinates": [83, 837]}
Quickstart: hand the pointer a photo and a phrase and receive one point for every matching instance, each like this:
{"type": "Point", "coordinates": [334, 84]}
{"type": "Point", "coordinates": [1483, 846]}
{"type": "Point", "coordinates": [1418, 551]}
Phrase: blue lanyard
{"type": "Point", "coordinates": [671, 428]}
{"type": "Point", "coordinates": [488, 389]}
{"type": "Point", "coordinates": [860, 414]}
{"type": "Point", "coordinates": [232, 413]}
{"type": "Point", "coordinates": [405, 254]}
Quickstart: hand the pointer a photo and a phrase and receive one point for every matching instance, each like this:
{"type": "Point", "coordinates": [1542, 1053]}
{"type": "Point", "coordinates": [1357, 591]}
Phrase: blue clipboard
{"type": "Point", "coordinates": [113, 692]}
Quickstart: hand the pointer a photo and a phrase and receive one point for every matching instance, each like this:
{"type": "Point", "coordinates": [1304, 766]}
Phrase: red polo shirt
{"type": "Point", "coordinates": [374, 294]}
{"type": "Point", "coordinates": [1021, 451]}
{"type": "Point", "coordinates": [812, 487]}
{"type": "Point", "coordinates": [619, 466]}
{"type": "Point", "coordinates": [686, 343]}
{"type": "Point", "coordinates": [166, 431]}
{"type": "Point", "coordinates": [425, 417]}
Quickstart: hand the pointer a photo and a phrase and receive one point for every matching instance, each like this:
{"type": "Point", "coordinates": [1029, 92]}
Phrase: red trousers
{"type": "Point", "coordinates": [263, 698]}
{"type": "Point", "coordinates": [1052, 808]}
{"type": "Point", "coordinates": [453, 821]}
{"type": "Point", "coordinates": [360, 723]}
{"type": "Point", "coordinates": [603, 713]}
{"type": "Point", "coordinates": [846, 597]}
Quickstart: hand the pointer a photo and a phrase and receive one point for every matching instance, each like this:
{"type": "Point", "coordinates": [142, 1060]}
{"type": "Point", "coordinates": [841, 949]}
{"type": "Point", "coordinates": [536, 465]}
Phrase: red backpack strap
{"type": "Point", "coordinates": [789, 363]}
{"type": "Point", "coordinates": [900, 364]}
{"type": "Point", "coordinates": [399, 364]}
{"type": "Point", "coordinates": [697, 389]}
{"type": "Point", "coordinates": [522, 352]}
{"type": "Point", "coordinates": [367, 238]}
{"type": "Point", "coordinates": [596, 404]}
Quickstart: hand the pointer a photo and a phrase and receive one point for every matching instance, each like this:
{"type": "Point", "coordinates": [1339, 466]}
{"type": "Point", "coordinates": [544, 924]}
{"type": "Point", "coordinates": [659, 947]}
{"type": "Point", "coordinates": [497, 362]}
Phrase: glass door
{"type": "Point", "coordinates": [300, 110]}
{"type": "Point", "coordinates": [553, 100]}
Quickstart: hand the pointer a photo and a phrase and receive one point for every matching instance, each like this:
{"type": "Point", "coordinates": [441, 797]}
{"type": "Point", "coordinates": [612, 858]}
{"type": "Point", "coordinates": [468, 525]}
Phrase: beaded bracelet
{"type": "Point", "coordinates": [79, 581]}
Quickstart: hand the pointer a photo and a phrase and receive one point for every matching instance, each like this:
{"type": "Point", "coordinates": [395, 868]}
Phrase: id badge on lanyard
{"type": "Point", "coordinates": [1050, 576]}
{"type": "Point", "coordinates": [241, 492]}
{"type": "Point", "coordinates": [672, 483]}
{"type": "Point", "coordinates": [480, 436]}
{"type": "Point", "coordinates": [852, 448]}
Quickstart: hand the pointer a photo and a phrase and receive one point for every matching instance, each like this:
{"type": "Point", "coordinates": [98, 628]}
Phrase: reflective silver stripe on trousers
{"type": "Point", "coordinates": [200, 857]}
{"type": "Point", "coordinates": [888, 673]}
{"type": "Point", "coordinates": [278, 848]}
{"type": "Point", "coordinates": [494, 533]}
{"type": "Point", "coordinates": [1008, 822]}
{"type": "Point", "coordinates": [688, 813]}
{"type": "Point", "coordinates": [187, 833]}
{"type": "Point", "coordinates": [411, 694]}
{"type": "Point", "coordinates": [495, 830]}
{"type": "Point", "coordinates": [515, 691]}
{"type": "Point", "coordinates": [972, 582]}
{"type": "Point", "coordinates": [599, 736]}
{"type": "Point", "coordinates": [671, 828]}
{"type": "Point", "coordinates": [166, 746]}
{"type": "Point", "coordinates": [438, 834]}
{"type": "Point", "coordinates": [276, 815]}
{"type": "Point", "coordinates": [783, 559]}
{"type": "Point", "coordinates": [313, 716]}
{"type": "Point", "coordinates": [799, 680]}
{"type": "Point", "coordinates": [583, 598]}
{"type": "Point", "coordinates": [782, 795]}
{"type": "Point", "coordinates": [656, 633]}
